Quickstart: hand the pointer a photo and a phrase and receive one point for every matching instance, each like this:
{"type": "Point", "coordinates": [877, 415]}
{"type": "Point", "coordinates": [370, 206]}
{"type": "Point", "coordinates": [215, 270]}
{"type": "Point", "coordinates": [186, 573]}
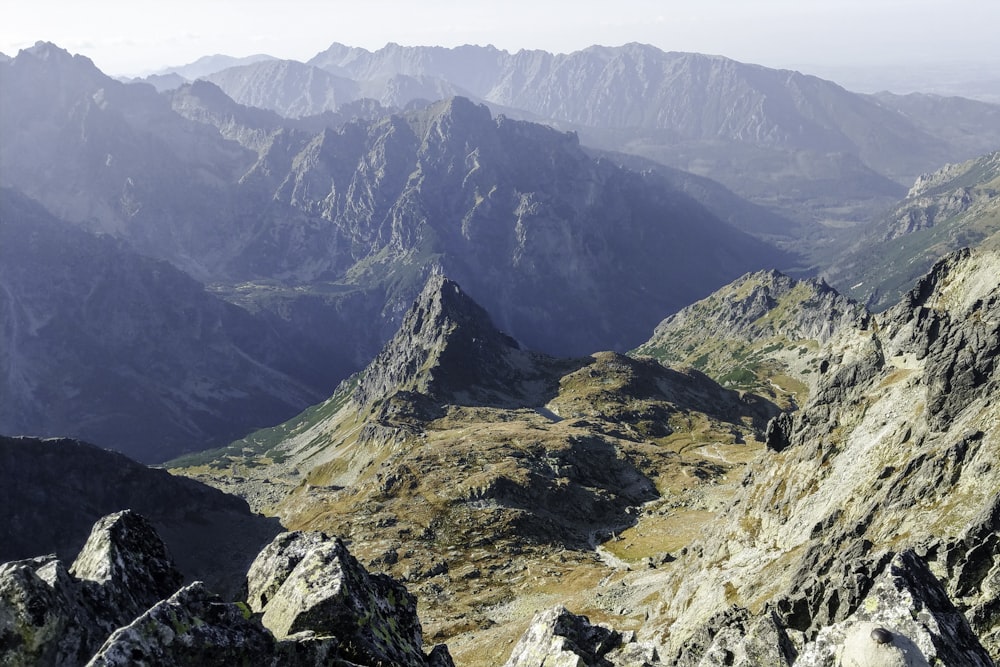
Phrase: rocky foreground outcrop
{"type": "Point", "coordinates": [53, 616]}
{"type": "Point", "coordinates": [121, 603]}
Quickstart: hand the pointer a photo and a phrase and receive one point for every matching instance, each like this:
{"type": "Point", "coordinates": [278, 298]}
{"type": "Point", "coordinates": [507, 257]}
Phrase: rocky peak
{"type": "Point", "coordinates": [49, 52]}
{"type": "Point", "coordinates": [446, 348]}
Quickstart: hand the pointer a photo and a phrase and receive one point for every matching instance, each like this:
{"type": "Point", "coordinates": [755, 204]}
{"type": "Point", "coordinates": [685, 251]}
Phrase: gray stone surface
{"type": "Point", "coordinates": [192, 627]}
{"type": "Point", "coordinates": [308, 582]}
{"type": "Point", "coordinates": [558, 638]}
{"type": "Point", "coordinates": [910, 604]}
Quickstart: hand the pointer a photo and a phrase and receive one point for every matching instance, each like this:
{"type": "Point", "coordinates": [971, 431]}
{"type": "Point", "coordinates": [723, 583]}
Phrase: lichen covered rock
{"type": "Point", "coordinates": [128, 561]}
{"type": "Point", "coordinates": [192, 627]}
{"type": "Point", "coordinates": [308, 582]}
{"type": "Point", "coordinates": [43, 617]}
{"type": "Point", "coordinates": [53, 616]}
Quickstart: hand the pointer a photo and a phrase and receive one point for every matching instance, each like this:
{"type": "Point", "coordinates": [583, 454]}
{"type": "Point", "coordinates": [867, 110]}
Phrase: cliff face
{"type": "Point", "coordinates": [895, 449]}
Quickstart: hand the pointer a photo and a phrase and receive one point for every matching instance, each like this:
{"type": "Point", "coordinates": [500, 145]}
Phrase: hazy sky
{"type": "Point", "coordinates": [140, 36]}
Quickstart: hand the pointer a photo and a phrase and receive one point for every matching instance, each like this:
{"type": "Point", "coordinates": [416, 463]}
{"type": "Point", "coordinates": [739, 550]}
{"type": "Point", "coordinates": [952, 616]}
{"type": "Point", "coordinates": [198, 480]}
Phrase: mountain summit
{"type": "Point", "coordinates": [448, 349]}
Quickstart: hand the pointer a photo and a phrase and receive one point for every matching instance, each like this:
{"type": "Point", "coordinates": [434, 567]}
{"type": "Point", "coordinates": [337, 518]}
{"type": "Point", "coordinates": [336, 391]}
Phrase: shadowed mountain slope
{"type": "Point", "coordinates": [98, 342]}
{"type": "Point", "coordinates": [52, 491]}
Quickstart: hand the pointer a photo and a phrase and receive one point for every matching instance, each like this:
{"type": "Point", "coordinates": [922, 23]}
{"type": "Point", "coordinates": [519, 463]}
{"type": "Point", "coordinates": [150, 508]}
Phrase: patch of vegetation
{"type": "Point", "coordinates": [265, 442]}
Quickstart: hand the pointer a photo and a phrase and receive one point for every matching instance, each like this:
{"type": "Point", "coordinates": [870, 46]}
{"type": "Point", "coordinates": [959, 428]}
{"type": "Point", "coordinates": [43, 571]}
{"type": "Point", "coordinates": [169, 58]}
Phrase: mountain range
{"type": "Point", "coordinates": [779, 137]}
{"type": "Point", "coordinates": [517, 384]}
{"type": "Point", "coordinates": [322, 229]}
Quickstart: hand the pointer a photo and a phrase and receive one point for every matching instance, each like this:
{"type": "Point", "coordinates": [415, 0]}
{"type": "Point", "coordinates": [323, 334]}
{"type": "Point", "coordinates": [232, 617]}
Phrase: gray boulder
{"type": "Point", "coordinates": [558, 638]}
{"type": "Point", "coordinates": [192, 627]}
{"type": "Point", "coordinates": [307, 582]}
{"type": "Point", "coordinates": [125, 565]}
{"type": "Point", "coordinates": [44, 618]}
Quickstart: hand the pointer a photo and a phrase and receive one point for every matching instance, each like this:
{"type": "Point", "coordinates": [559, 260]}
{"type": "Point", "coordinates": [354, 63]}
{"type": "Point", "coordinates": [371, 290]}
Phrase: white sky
{"type": "Point", "coordinates": [139, 36]}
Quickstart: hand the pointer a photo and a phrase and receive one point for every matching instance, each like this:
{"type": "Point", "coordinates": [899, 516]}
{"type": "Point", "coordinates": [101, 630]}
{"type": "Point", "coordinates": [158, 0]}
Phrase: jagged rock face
{"type": "Point", "coordinates": [191, 627]}
{"type": "Point", "coordinates": [971, 566]}
{"type": "Point", "coordinates": [558, 638]}
{"type": "Point", "coordinates": [879, 437]}
{"type": "Point", "coordinates": [306, 581]}
{"type": "Point", "coordinates": [734, 637]}
{"type": "Point", "coordinates": [51, 616]}
{"type": "Point", "coordinates": [960, 340]}
{"type": "Point", "coordinates": [767, 304]}
{"type": "Point", "coordinates": [448, 349]}
{"type": "Point", "coordinates": [906, 619]}
{"type": "Point", "coordinates": [53, 491]}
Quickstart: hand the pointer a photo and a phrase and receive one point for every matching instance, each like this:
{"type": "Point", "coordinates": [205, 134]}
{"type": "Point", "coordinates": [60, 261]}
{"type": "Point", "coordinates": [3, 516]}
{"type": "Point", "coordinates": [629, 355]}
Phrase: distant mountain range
{"type": "Point", "coordinates": [781, 138]}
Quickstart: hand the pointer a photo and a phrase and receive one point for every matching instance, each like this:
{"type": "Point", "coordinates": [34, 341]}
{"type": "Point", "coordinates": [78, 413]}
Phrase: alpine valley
{"type": "Point", "coordinates": [432, 356]}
